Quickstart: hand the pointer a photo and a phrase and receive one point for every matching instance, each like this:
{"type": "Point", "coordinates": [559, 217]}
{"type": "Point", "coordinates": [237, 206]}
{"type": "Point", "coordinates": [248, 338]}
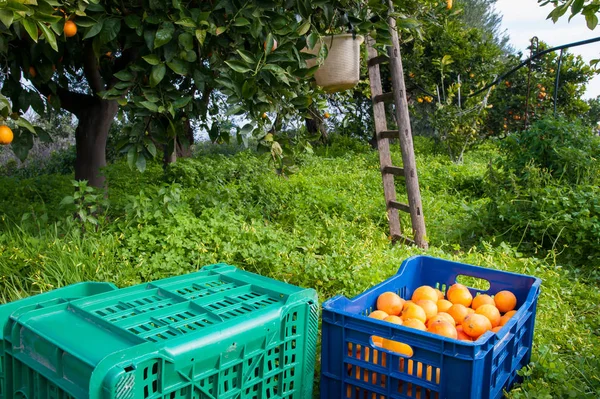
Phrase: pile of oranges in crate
{"type": "Point", "coordinates": [456, 315]}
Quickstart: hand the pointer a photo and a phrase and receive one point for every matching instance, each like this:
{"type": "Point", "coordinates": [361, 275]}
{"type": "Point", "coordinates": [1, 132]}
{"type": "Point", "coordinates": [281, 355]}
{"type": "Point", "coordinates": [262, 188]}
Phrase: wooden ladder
{"type": "Point", "coordinates": [404, 133]}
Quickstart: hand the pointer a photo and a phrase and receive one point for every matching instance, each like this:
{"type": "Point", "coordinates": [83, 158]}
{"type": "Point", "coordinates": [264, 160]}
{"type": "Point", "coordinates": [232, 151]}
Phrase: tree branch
{"type": "Point", "coordinates": [70, 101]}
{"type": "Point", "coordinates": [90, 69]}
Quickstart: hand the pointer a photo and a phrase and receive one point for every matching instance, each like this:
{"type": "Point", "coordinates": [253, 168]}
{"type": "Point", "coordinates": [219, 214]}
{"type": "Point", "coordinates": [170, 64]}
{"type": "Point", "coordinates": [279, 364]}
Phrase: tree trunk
{"type": "Point", "coordinates": [91, 137]}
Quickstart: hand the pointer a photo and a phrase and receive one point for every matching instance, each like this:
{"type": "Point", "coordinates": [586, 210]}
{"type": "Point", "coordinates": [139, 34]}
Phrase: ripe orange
{"type": "Point", "coordinates": [443, 305]}
{"type": "Point", "coordinates": [458, 312]}
{"type": "Point", "coordinates": [396, 346]}
{"type": "Point", "coordinates": [378, 314]}
{"type": "Point", "coordinates": [32, 72]}
{"type": "Point", "coordinates": [264, 115]}
{"type": "Point", "coordinates": [449, 4]}
{"type": "Point", "coordinates": [441, 316]}
{"type": "Point", "coordinates": [425, 292]}
{"type": "Point", "coordinates": [460, 295]}
{"type": "Point", "coordinates": [6, 135]}
{"type": "Point", "coordinates": [470, 310]}
{"type": "Point", "coordinates": [393, 319]}
{"type": "Point", "coordinates": [504, 319]}
{"type": "Point", "coordinates": [476, 325]}
{"type": "Point", "coordinates": [505, 301]}
{"type": "Point", "coordinates": [70, 29]}
{"type": "Point", "coordinates": [443, 328]}
{"type": "Point", "coordinates": [414, 311]}
{"type": "Point", "coordinates": [491, 312]}
{"type": "Point", "coordinates": [496, 329]}
{"type": "Point", "coordinates": [327, 115]}
{"type": "Point", "coordinates": [390, 303]}
{"type": "Point", "coordinates": [461, 335]}
{"type": "Point", "coordinates": [414, 323]}
{"type": "Point", "coordinates": [482, 300]}
{"type": "Point", "coordinates": [429, 307]}
{"type": "Point", "coordinates": [440, 294]}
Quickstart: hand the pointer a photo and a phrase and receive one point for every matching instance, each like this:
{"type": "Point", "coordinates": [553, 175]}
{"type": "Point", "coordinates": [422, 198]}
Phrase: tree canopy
{"type": "Point", "coordinates": [162, 61]}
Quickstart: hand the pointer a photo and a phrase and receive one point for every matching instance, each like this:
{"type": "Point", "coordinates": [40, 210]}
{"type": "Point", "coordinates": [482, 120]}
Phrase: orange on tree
{"type": "Point", "coordinates": [504, 319]}
{"type": "Point", "coordinates": [70, 29]}
{"type": "Point", "coordinates": [32, 72]}
{"type": "Point", "coordinates": [449, 4]}
{"type": "Point", "coordinates": [425, 292]}
{"type": "Point", "coordinates": [458, 312]}
{"type": "Point", "coordinates": [459, 294]}
{"type": "Point", "coordinates": [390, 303]}
{"type": "Point", "coordinates": [327, 115]}
{"type": "Point", "coordinates": [6, 135]}
{"type": "Point", "coordinates": [414, 311]}
{"type": "Point", "coordinates": [475, 325]}
{"type": "Point", "coordinates": [482, 300]}
{"type": "Point", "coordinates": [505, 301]}
{"type": "Point", "coordinates": [414, 323]}
{"type": "Point", "coordinates": [491, 312]}
{"type": "Point", "coordinates": [429, 307]}
{"type": "Point", "coordinates": [443, 328]}
{"type": "Point", "coordinates": [441, 316]}
{"type": "Point", "coordinates": [443, 305]}
{"type": "Point", "coordinates": [272, 48]}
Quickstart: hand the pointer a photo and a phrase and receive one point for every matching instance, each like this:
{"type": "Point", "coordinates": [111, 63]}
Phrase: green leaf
{"type": "Point", "coordinates": [312, 40]}
{"type": "Point", "coordinates": [124, 75]}
{"type": "Point", "coordinates": [141, 163]}
{"type": "Point", "coordinates": [131, 157]}
{"type": "Point", "coordinates": [238, 66]}
{"type": "Point", "coordinates": [164, 34]}
{"type": "Point", "coordinates": [6, 17]}
{"type": "Point", "coordinates": [49, 36]}
{"type": "Point", "coordinates": [149, 105]}
{"type": "Point", "coordinates": [150, 147]}
{"type": "Point", "coordinates": [187, 22]}
{"type": "Point", "coordinates": [591, 20]}
{"type": "Point", "coordinates": [182, 102]}
{"type": "Point", "coordinates": [241, 21]}
{"type": "Point", "coordinates": [110, 30]}
{"type": "Point", "coordinates": [220, 30]}
{"type": "Point", "coordinates": [269, 43]}
{"type": "Point", "coordinates": [577, 6]}
{"type": "Point", "coordinates": [31, 28]}
{"type": "Point", "coordinates": [152, 59]}
{"type": "Point", "coordinates": [157, 74]}
{"type": "Point", "coordinates": [200, 36]}
{"type": "Point", "coordinates": [133, 21]}
{"type": "Point", "coordinates": [178, 66]}
{"type": "Point", "coordinates": [186, 41]}
{"type": "Point", "coordinates": [247, 56]}
{"type": "Point", "coordinates": [304, 28]}
{"type": "Point", "coordinates": [25, 124]}
{"type": "Point", "coordinates": [94, 30]}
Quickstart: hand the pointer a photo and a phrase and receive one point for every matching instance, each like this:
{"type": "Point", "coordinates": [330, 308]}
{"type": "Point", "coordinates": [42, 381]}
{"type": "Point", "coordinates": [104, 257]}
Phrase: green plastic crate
{"type": "Point", "coordinates": [218, 333]}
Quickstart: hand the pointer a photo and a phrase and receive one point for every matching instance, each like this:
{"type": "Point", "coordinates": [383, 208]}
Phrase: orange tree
{"type": "Point", "coordinates": [510, 96]}
{"type": "Point", "coordinates": [588, 8]}
{"type": "Point", "coordinates": [159, 62]}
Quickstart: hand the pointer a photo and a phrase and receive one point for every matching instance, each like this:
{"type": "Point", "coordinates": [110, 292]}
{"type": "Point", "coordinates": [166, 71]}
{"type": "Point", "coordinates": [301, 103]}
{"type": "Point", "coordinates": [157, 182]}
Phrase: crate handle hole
{"type": "Point", "coordinates": [473, 282]}
{"type": "Point", "coordinates": [128, 369]}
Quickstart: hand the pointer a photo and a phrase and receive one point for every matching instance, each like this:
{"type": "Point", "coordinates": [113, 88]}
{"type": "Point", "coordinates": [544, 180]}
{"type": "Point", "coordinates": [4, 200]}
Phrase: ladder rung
{"type": "Point", "coordinates": [377, 60]}
{"type": "Point", "coordinates": [393, 170]}
{"type": "Point", "coordinates": [399, 205]}
{"type": "Point", "coordinates": [385, 97]}
{"type": "Point", "coordinates": [389, 134]}
{"type": "Point", "coordinates": [403, 239]}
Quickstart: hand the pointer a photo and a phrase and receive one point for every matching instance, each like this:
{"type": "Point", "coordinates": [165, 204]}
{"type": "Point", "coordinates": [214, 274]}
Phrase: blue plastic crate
{"type": "Point", "coordinates": [440, 368]}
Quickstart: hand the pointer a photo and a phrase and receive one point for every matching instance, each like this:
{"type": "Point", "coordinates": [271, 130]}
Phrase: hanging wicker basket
{"type": "Point", "coordinates": [341, 69]}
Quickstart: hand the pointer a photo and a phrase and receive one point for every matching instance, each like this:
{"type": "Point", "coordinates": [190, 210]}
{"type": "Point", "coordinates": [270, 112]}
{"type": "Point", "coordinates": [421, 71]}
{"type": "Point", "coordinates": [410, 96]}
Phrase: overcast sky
{"type": "Point", "coordinates": [524, 19]}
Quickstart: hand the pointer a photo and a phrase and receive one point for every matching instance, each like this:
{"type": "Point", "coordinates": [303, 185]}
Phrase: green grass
{"type": "Point", "coordinates": [324, 227]}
